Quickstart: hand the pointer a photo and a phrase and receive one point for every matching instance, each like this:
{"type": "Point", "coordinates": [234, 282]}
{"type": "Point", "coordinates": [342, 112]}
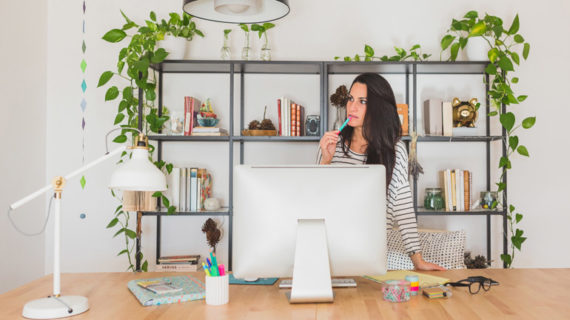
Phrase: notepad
{"type": "Point", "coordinates": [426, 280]}
{"type": "Point", "coordinates": [190, 289]}
{"type": "Point", "coordinates": [159, 287]}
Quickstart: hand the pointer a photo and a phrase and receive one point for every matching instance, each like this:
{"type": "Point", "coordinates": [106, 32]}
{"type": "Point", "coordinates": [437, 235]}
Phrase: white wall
{"type": "Point", "coordinates": [23, 133]}
{"type": "Point", "coordinates": [314, 30]}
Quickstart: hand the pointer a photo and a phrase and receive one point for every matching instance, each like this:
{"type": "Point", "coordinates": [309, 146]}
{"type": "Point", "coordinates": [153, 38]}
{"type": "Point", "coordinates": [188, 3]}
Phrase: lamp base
{"type": "Point", "coordinates": [53, 308]}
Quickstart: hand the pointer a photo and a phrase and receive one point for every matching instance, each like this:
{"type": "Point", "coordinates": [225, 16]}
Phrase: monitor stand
{"type": "Point", "coordinates": [311, 271]}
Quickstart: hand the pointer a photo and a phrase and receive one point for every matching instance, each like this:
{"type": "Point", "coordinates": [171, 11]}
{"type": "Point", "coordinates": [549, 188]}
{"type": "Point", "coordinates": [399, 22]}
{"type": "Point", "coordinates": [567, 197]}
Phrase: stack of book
{"type": "Point", "coordinates": [190, 188]}
{"type": "Point", "coordinates": [291, 117]}
{"type": "Point", "coordinates": [186, 263]}
{"type": "Point", "coordinates": [438, 118]}
{"type": "Point", "coordinates": [209, 131]}
{"type": "Point", "coordinates": [457, 186]}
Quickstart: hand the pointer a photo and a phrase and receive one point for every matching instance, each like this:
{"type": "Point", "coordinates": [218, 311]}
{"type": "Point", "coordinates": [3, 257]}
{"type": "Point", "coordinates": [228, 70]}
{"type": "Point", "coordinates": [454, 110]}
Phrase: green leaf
{"type": "Point", "coordinates": [462, 42]}
{"type": "Point", "coordinates": [519, 38]}
{"type": "Point", "coordinates": [159, 56]}
{"type": "Point", "coordinates": [123, 252]}
{"type": "Point", "coordinates": [157, 194]}
{"type": "Point", "coordinates": [150, 95]}
{"type": "Point", "coordinates": [82, 182]}
{"type": "Point", "coordinates": [105, 77]}
{"type": "Point", "coordinates": [507, 120]}
{"type": "Point", "coordinates": [120, 138]}
{"type": "Point", "coordinates": [491, 69]}
{"type": "Point", "coordinates": [506, 64]}
{"type": "Point", "coordinates": [512, 99]}
{"type": "Point", "coordinates": [119, 118]}
{"type": "Point", "coordinates": [114, 35]}
{"type": "Point", "coordinates": [144, 266]}
{"type": "Point", "coordinates": [123, 105]}
{"type": "Point", "coordinates": [493, 54]}
{"type": "Point", "coordinates": [268, 25]}
{"type": "Point", "coordinates": [504, 162]}
{"type": "Point", "coordinates": [368, 50]}
{"type": "Point", "coordinates": [198, 32]}
{"type": "Point", "coordinates": [522, 151]}
{"type": "Point", "coordinates": [130, 233]}
{"type": "Point", "coordinates": [501, 186]}
{"type": "Point", "coordinates": [446, 41]}
{"type": "Point", "coordinates": [165, 201]}
{"type": "Point", "coordinates": [514, 26]}
{"type": "Point", "coordinates": [169, 168]}
{"type": "Point", "coordinates": [511, 208]}
{"type": "Point", "coordinates": [454, 51]}
{"type": "Point", "coordinates": [119, 232]}
{"type": "Point", "coordinates": [521, 98]}
{"type": "Point", "coordinates": [526, 50]}
{"type": "Point", "coordinates": [478, 29]}
{"type": "Point", "coordinates": [492, 113]}
{"type": "Point", "coordinates": [347, 59]}
{"type": "Point", "coordinates": [111, 93]}
{"type": "Point", "coordinates": [227, 31]}
{"type": "Point", "coordinates": [518, 217]}
{"type": "Point", "coordinates": [171, 209]}
{"type": "Point", "coordinates": [153, 16]}
{"type": "Point", "coordinates": [336, 57]}
{"type": "Point", "coordinates": [515, 57]}
{"type": "Point", "coordinates": [244, 27]}
{"type": "Point", "coordinates": [356, 57]}
{"type": "Point", "coordinates": [417, 46]}
{"type": "Point", "coordinates": [515, 80]}
{"type": "Point", "coordinates": [506, 258]}
{"type": "Point", "coordinates": [513, 142]}
{"type": "Point", "coordinates": [125, 16]}
{"type": "Point", "coordinates": [471, 15]}
{"type": "Point", "coordinates": [528, 122]}
{"type": "Point", "coordinates": [256, 27]}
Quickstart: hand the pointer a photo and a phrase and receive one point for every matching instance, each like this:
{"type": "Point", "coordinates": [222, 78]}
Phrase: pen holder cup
{"type": "Point", "coordinates": [217, 290]}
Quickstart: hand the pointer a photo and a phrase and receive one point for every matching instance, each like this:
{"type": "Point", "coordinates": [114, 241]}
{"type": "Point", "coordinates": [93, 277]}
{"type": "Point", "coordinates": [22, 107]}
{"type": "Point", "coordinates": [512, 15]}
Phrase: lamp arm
{"type": "Point", "coordinates": [34, 195]}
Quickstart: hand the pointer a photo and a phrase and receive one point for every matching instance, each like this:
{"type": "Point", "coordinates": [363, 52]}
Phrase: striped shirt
{"type": "Point", "coordinates": [399, 205]}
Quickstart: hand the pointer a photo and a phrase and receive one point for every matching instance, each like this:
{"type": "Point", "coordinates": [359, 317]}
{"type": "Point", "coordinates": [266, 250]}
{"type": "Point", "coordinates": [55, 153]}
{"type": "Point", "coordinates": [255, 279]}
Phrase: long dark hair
{"type": "Point", "coordinates": [381, 127]}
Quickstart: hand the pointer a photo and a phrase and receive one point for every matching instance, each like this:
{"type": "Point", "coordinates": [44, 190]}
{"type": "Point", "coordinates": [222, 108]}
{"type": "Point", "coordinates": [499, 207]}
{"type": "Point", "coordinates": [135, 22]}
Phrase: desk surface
{"type": "Point", "coordinates": [522, 294]}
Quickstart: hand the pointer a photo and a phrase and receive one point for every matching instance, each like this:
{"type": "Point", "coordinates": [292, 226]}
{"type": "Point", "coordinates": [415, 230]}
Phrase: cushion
{"type": "Point", "coordinates": [445, 248]}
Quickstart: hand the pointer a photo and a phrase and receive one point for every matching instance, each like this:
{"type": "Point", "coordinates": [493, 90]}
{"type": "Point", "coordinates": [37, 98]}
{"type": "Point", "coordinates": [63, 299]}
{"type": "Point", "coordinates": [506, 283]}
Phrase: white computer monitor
{"type": "Point", "coordinates": [309, 222]}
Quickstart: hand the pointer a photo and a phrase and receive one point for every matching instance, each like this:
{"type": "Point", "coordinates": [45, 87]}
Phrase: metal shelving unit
{"type": "Point", "coordinates": [324, 69]}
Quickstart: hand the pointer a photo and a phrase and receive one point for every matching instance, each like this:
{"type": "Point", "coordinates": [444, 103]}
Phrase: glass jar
{"type": "Point", "coordinates": [246, 50]}
{"type": "Point", "coordinates": [396, 290]}
{"type": "Point", "coordinates": [225, 52]}
{"type": "Point", "coordinates": [265, 54]}
{"type": "Point", "coordinates": [433, 199]}
{"type": "Point", "coordinates": [489, 199]}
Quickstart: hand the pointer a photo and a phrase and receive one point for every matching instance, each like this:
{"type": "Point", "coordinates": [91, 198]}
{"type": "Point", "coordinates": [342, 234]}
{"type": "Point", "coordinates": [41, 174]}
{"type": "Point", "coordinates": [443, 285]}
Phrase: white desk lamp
{"type": "Point", "coordinates": [136, 174]}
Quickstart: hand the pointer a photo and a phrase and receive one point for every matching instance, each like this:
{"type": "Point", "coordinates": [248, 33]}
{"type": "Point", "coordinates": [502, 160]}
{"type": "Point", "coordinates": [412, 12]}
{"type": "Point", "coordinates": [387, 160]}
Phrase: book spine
{"type": "Point", "coordinates": [187, 194]}
{"type": "Point", "coordinates": [193, 189]}
{"type": "Point", "coordinates": [182, 194]}
{"type": "Point", "coordinates": [293, 114]}
{"type": "Point", "coordinates": [302, 120]}
{"type": "Point", "coordinates": [402, 110]}
{"type": "Point", "coordinates": [193, 115]}
{"type": "Point", "coordinates": [453, 191]}
{"type": "Point", "coordinates": [175, 187]}
{"type": "Point", "coordinates": [460, 201]}
{"type": "Point", "coordinates": [279, 114]}
{"type": "Point", "coordinates": [466, 191]}
{"type": "Point", "coordinates": [176, 267]}
{"type": "Point", "coordinates": [298, 120]}
{"type": "Point", "coordinates": [447, 118]}
{"type": "Point", "coordinates": [445, 193]}
{"type": "Point", "coordinates": [448, 188]}
{"type": "Point", "coordinates": [187, 116]}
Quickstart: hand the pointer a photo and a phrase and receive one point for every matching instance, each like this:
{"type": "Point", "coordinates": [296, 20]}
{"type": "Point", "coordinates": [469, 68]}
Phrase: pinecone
{"type": "Point", "coordinates": [480, 262]}
{"type": "Point", "coordinates": [340, 97]}
{"type": "Point", "coordinates": [254, 125]}
{"type": "Point", "coordinates": [266, 124]}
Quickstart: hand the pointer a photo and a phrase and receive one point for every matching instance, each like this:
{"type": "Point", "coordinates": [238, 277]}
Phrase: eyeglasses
{"type": "Point", "coordinates": [475, 284]}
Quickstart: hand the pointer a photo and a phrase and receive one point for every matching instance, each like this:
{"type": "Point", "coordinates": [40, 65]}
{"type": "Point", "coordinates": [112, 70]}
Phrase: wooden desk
{"type": "Point", "coordinates": [522, 294]}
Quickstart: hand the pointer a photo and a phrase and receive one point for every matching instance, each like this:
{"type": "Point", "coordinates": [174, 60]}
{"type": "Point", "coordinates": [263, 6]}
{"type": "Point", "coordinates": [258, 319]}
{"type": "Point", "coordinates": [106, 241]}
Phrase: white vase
{"type": "Point", "coordinates": [176, 47]}
{"type": "Point", "coordinates": [477, 49]}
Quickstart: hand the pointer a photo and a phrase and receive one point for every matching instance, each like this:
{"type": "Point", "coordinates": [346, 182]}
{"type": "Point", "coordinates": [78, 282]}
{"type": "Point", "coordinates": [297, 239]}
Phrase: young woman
{"type": "Point", "coordinates": [373, 136]}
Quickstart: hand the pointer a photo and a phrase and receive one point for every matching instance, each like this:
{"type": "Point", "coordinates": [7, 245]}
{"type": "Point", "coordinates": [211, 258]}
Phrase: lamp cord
{"type": "Point", "coordinates": [31, 234]}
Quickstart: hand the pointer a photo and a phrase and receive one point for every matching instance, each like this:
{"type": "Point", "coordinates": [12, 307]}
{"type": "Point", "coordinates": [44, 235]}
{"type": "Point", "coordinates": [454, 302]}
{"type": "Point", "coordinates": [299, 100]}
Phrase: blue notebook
{"type": "Point", "coordinates": [260, 281]}
{"type": "Point", "coordinates": [192, 289]}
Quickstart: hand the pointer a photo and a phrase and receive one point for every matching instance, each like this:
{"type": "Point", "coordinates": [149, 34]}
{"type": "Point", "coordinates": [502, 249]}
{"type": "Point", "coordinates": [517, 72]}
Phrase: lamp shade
{"type": "Point", "coordinates": [237, 11]}
{"type": "Point", "coordinates": [138, 174]}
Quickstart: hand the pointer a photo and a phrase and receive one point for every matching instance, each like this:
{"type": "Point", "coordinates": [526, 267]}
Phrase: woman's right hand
{"type": "Point", "coordinates": [328, 146]}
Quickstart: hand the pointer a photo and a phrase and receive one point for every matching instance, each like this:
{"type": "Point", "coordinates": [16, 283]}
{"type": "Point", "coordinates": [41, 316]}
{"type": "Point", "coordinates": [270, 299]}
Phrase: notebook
{"type": "Point", "coordinates": [192, 289]}
{"type": "Point", "coordinates": [426, 280]}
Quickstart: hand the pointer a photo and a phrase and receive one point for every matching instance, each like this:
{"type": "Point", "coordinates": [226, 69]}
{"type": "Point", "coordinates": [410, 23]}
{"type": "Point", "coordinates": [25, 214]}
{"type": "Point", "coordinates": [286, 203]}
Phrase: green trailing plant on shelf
{"type": "Point", "coordinates": [134, 69]}
{"type": "Point", "coordinates": [505, 46]}
{"type": "Point", "coordinates": [414, 53]}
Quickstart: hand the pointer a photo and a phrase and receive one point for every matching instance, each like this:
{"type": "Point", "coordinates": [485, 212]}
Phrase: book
{"type": "Point", "coordinates": [293, 119]}
{"type": "Point", "coordinates": [206, 134]}
{"type": "Point", "coordinates": [279, 115]}
{"type": "Point", "coordinates": [402, 109]}
{"type": "Point", "coordinates": [183, 186]}
{"type": "Point", "coordinates": [175, 187]}
{"type": "Point", "coordinates": [208, 130]}
{"type": "Point", "coordinates": [159, 286]}
{"type": "Point", "coordinates": [433, 117]}
{"type": "Point", "coordinates": [189, 257]}
{"type": "Point", "coordinates": [192, 289]}
{"type": "Point", "coordinates": [176, 267]}
{"type": "Point", "coordinates": [193, 189]}
{"type": "Point", "coordinates": [453, 191]}
{"type": "Point", "coordinates": [466, 190]}
{"type": "Point", "coordinates": [444, 182]}
{"type": "Point", "coordinates": [447, 118]}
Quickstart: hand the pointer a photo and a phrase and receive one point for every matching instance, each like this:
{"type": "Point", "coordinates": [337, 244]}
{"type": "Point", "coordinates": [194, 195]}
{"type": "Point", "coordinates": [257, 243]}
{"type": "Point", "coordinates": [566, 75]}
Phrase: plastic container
{"type": "Point", "coordinates": [433, 199]}
{"type": "Point", "coordinates": [396, 290]}
{"type": "Point", "coordinates": [414, 284]}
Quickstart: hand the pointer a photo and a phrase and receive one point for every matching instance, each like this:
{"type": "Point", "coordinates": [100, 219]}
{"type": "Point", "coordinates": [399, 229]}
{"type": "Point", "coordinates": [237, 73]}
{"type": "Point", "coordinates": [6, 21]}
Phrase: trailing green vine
{"type": "Point", "coordinates": [414, 53]}
{"type": "Point", "coordinates": [133, 66]}
{"type": "Point", "coordinates": [504, 49]}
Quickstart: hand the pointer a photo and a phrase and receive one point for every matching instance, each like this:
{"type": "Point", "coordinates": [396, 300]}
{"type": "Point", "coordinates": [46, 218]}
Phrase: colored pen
{"type": "Point", "coordinates": [209, 263]}
{"type": "Point", "coordinates": [206, 269]}
{"type": "Point", "coordinates": [344, 124]}
{"type": "Point", "coordinates": [221, 269]}
{"type": "Point", "coordinates": [214, 271]}
{"type": "Point", "coordinates": [214, 261]}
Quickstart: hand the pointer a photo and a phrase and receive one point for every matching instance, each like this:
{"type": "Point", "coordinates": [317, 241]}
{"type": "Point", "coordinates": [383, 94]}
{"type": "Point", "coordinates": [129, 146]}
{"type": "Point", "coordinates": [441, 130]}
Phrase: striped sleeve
{"type": "Point", "coordinates": [400, 207]}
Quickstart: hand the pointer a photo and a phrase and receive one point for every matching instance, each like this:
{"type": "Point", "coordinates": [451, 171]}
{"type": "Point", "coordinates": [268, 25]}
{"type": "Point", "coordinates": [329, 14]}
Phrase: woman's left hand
{"type": "Point", "coordinates": [421, 264]}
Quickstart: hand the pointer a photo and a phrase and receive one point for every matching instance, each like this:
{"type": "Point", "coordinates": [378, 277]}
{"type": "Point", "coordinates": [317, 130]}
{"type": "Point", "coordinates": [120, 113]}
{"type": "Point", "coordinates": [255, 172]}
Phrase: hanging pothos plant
{"type": "Point", "coordinates": [505, 45]}
{"type": "Point", "coordinates": [133, 66]}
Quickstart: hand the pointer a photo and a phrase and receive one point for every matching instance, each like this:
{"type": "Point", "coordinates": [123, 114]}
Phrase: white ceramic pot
{"type": "Point", "coordinates": [176, 47]}
{"type": "Point", "coordinates": [477, 49]}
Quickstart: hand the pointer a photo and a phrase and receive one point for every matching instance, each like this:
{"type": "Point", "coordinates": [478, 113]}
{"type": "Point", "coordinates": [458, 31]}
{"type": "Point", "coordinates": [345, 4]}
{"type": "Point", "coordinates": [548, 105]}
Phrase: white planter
{"type": "Point", "coordinates": [176, 47]}
{"type": "Point", "coordinates": [477, 49]}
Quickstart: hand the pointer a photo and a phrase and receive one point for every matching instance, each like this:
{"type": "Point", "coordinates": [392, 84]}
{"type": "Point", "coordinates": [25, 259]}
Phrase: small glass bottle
{"type": "Point", "coordinates": [246, 51]}
{"type": "Point", "coordinates": [225, 52]}
{"type": "Point", "coordinates": [265, 54]}
{"type": "Point", "coordinates": [433, 199]}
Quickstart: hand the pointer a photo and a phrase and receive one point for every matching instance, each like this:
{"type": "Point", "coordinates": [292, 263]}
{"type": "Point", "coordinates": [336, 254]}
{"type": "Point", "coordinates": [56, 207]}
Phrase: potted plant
{"type": "Point", "coordinates": [133, 66]}
{"type": "Point", "coordinates": [504, 49]}
{"type": "Point", "coordinates": [265, 53]}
